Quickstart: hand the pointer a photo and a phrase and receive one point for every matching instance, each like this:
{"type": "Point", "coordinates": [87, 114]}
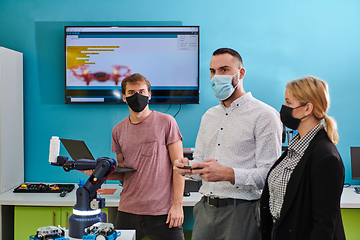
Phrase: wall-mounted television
{"type": "Point", "coordinates": [355, 162]}
{"type": "Point", "coordinates": [98, 58]}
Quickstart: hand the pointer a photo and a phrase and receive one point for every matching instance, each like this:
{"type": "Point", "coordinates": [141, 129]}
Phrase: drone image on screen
{"type": "Point", "coordinates": [120, 72]}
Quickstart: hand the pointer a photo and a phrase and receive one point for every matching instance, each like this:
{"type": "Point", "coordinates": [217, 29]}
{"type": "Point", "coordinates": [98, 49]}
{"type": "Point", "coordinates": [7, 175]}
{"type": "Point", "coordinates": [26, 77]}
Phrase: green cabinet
{"type": "Point", "coordinates": [351, 220]}
{"type": "Point", "coordinates": [65, 213]}
{"type": "Point", "coordinates": [28, 219]}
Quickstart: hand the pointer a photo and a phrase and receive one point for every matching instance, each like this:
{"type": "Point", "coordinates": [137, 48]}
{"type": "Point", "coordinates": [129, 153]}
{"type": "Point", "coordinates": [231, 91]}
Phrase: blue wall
{"type": "Point", "coordinates": [279, 41]}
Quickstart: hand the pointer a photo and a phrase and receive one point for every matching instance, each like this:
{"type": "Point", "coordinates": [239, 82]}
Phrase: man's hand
{"type": "Point", "coordinates": [211, 171]}
{"type": "Point", "coordinates": [179, 164]}
{"type": "Point", "coordinates": [175, 216]}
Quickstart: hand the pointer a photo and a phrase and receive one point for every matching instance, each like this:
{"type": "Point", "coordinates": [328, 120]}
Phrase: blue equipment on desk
{"type": "Point", "coordinates": [87, 209]}
{"type": "Point", "coordinates": [50, 232]}
{"type": "Point", "coordinates": [101, 231]}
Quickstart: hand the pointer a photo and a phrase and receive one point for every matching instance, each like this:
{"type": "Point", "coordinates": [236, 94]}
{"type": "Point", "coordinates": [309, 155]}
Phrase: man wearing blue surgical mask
{"type": "Point", "coordinates": [238, 141]}
{"type": "Point", "coordinates": [226, 78]}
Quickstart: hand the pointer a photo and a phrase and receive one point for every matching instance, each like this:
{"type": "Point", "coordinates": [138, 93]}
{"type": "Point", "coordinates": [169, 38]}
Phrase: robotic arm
{"type": "Point", "coordinates": [88, 207]}
{"type": "Point", "coordinates": [103, 166]}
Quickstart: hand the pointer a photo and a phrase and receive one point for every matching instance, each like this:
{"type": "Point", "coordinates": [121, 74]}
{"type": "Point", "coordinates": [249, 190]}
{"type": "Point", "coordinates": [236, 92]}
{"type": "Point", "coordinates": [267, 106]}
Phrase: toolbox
{"type": "Point", "coordinates": [43, 188]}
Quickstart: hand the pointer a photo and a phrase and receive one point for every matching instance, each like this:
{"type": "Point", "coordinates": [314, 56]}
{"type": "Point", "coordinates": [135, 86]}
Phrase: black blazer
{"type": "Point", "coordinates": [311, 208]}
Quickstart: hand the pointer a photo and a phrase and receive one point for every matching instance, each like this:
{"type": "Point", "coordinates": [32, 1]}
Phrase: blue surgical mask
{"type": "Point", "coordinates": [222, 86]}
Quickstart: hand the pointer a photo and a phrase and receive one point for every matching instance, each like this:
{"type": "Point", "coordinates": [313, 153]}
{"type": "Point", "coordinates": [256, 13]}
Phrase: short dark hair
{"type": "Point", "coordinates": [136, 77]}
{"type": "Point", "coordinates": [230, 51]}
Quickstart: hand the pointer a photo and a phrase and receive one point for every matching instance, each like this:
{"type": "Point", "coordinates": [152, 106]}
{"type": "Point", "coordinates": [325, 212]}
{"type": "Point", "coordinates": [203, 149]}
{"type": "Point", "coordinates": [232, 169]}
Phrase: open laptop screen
{"type": "Point", "coordinates": [77, 149]}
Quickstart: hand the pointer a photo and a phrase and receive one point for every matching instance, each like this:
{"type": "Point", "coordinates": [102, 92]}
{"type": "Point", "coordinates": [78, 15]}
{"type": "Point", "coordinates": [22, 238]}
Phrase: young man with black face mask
{"type": "Point", "coordinates": [148, 141]}
{"type": "Point", "coordinates": [237, 143]}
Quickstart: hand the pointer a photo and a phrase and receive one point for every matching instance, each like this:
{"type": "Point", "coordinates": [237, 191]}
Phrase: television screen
{"type": "Point", "coordinates": [97, 59]}
{"type": "Point", "coordinates": [355, 162]}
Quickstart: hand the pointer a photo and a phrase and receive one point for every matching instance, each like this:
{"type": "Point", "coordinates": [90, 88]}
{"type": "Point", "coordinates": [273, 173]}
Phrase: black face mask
{"type": "Point", "coordinates": [137, 102]}
{"type": "Point", "coordinates": [287, 118]}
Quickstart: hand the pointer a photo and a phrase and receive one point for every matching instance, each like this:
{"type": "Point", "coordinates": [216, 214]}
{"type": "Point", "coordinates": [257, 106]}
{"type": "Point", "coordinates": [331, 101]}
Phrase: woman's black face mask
{"type": "Point", "coordinates": [287, 118]}
{"type": "Point", "coordinates": [137, 102]}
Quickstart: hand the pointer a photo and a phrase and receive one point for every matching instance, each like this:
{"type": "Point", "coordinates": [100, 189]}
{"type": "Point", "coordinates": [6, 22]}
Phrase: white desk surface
{"type": "Point", "coordinates": [349, 198]}
{"type": "Point", "coordinates": [127, 235]}
{"type": "Point", "coordinates": [54, 199]}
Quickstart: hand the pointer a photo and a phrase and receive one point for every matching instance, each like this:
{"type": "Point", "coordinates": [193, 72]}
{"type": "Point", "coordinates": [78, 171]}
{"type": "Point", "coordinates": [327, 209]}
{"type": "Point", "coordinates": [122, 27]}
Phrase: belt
{"type": "Point", "coordinates": [223, 202]}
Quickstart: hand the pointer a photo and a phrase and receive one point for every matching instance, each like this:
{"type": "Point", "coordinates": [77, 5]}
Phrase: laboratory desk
{"type": "Point", "coordinates": [9, 201]}
{"type": "Point", "coordinates": [349, 198]}
{"type": "Point", "coordinates": [17, 208]}
{"type": "Point", "coordinates": [350, 211]}
{"type": "Point", "coordinates": [54, 199]}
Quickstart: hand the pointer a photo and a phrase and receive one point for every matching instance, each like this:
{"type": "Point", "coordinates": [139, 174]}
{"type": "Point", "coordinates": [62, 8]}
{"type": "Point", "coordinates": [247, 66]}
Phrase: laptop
{"type": "Point", "coordinates": [77, 149]}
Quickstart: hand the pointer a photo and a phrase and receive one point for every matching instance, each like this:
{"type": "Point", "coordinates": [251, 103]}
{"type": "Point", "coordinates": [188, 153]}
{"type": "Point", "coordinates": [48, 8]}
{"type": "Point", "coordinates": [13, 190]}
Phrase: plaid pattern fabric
{"type": "Point", "coordinates": [280, 175]}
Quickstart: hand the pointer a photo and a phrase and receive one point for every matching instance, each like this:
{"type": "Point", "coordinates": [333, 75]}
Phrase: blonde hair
{"type": "Point", "coordinates": [313, 90]}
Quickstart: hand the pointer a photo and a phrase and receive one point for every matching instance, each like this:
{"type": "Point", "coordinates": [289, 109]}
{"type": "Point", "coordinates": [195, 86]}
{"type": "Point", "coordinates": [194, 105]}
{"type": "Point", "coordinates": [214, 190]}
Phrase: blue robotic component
{"type": "Point", "coordinates": [50, 233]}
{"type": "Point", "coordinates": [87, 209]}
{"type": "Point", "coordinates": [101, 231]}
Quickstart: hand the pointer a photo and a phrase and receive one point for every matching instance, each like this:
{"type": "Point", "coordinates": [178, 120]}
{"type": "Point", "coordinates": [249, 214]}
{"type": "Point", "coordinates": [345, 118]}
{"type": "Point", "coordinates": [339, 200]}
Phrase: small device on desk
{"type": "Point", "coordinates": [43, 188]}
{"type": "Point", "coordinates": [357, 190]}
{"type": "Point", "coordinates": [50, 232]}
{"type": "Point", "coordinates": [101, 230]}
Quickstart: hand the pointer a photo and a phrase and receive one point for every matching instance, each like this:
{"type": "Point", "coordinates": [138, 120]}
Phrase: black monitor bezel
{"type": "Point", "coordinates": [167, 100]}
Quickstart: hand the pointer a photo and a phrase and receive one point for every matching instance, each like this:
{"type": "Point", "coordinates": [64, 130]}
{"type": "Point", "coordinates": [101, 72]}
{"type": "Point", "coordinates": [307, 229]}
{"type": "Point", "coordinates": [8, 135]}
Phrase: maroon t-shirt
{"type": "Point", "coordinates": [148, 190]}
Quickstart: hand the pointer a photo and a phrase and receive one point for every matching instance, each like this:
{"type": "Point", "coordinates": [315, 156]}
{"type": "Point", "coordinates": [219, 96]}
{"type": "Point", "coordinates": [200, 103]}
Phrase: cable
{"type": "Point", "coordinates": [178, 111]}
{"type": "Point", "coordinates": [168, 108]}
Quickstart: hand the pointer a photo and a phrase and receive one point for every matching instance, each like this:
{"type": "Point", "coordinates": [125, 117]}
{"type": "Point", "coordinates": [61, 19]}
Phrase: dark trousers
{"type": "Point", "coordinates": [154, 227]}
{"type": "Point", "coordinates": [232, 222]}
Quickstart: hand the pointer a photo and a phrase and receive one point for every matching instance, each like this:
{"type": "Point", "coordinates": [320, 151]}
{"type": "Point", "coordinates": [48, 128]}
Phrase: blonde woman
{"type": "Point", "coordinates": [301, 197]}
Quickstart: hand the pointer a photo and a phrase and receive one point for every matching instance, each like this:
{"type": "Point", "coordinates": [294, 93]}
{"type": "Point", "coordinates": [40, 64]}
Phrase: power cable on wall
{"type": "Point", "coordinates": [178, 111]}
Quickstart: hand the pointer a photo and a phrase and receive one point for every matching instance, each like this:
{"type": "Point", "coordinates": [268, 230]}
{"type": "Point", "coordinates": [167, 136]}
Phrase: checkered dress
{"type": "Point", "coordinates": [280, 175]}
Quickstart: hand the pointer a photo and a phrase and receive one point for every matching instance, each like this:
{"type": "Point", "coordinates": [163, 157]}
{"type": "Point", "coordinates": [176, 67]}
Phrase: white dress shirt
{"type": "Point", "coordinates": [246, 137]}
